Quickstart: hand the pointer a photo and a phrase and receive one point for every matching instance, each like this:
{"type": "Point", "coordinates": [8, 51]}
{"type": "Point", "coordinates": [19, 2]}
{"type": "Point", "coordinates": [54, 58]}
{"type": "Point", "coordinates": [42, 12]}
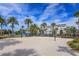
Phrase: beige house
{"type": "Point", "coordinates": [49, 29]}
{"type": "Point", "coordinates": [61, 27]}
{"type": "Point", "coordinates": [1, 32]}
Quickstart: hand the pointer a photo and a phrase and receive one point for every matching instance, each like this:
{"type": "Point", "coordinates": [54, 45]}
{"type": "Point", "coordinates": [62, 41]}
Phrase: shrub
{"type": "Point", "coordinates": [2, 37]}
{"type": "Point", "coordinates": [74, 44]}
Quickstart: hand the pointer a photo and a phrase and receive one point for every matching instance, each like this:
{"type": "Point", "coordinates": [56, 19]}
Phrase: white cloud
{"type": "Point", "coordinates": [16, 7]}
{"type": "Point", "coordinates": [71, 22]}
{"type": "Point", "coordinates": [64, 14]}
{"type": "Point", "coordinates": [21, 20]}
{"type": "Point", "coordinates": [51, 11]}
{"type": "Point", "coordinates": [57, 21]}
{"type": "Point", "coordinates": [6, 9]}
{"type": "Point", "coordinates": [48, 11]}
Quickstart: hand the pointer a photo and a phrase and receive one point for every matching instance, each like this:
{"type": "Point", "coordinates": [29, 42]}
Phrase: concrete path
{"type": "Point", "coordinates": [35, 46]}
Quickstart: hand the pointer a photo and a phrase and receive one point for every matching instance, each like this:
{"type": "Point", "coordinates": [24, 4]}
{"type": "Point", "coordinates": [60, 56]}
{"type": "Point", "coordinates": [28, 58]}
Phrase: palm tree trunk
{"type": "Point", "coordinates": [78, 30]}
{"type": "Point", "coordinates": [28, 25]}
{"type": "Point", "coordinates": [1, 29]}
{"type": "Point", "coordinates": [54, 35]}
{"type": "Point", "coordinates": [12, 29]}
{"type": "Point", "coordinates": [78, 26]}
{"type": "Point", "coordinates": [1, 26]}
{"type": "Point", "coordinates": [53, 32]}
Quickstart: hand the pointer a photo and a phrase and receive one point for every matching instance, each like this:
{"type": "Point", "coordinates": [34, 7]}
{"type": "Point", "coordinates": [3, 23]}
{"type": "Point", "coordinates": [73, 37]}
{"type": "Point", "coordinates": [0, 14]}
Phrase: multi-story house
{"type": "Point", "coordinates": [48, 29]}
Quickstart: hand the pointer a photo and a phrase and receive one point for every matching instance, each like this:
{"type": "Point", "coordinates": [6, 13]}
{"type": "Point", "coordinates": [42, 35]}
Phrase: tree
{"type": "Point", "coordinates": [28, 22]}
{"type": "Point", "coordinates": [71, 31]}
{"type": "Point", "coordinates": [2, 22]}
{"type": "Point", "coordinates": [77, 23]}
{"type": "Point", "coordinates": [54, 29]}
{"type": "Point", "coordinates": [12, 21]}
{"type": "Point", "coordinates": [43, 28]}
{"type": "Point", "coordinates": [22, 31]}
{"type": "Point", "coordinates": [17, 32]}
{"type": "Point", "coordinates": [77, 15]}
{"type": "Point", "coordinates": [68, 31]}
{"type": "Point", "coordinates": [9, 32]}
{"type": "Point", "coordinates": [34, 29]}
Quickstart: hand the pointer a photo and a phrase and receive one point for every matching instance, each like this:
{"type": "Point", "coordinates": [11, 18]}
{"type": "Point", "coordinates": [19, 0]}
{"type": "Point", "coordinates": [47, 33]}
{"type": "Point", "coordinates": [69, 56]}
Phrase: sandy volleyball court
{"type": "Point", "coordinates": [35, 46]}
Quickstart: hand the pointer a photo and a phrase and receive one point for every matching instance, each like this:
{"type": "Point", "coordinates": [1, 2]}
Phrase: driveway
{"type": "Point", "coordinates": [35, 46]}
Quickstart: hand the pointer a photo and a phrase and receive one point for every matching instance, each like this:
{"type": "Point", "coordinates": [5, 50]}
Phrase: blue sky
{"type": "Point", "coordinates": [40, 12]}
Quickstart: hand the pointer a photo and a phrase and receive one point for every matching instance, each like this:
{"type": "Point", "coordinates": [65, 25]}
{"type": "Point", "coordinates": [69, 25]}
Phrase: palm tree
{"type": "Point", "coordinates": [22, 31]}
{"type": "Point", "coordinates": [22, 27]}
{"type": "Point", "coordinates": [54, 30]}
{"type": "Point", "coordinates": [71, 31]}
{"type": "Point", "coordinates": [12, 21]}
{"type": "Point", "coordinates": [77, 23]}
{"type": "Point", "coordinates": [2, 22]}
{"type": "Point", "coordinates": [34, 29]}
{"type": "Point", "coordinates": [77, 15]}
{"type": "Point", "coordinates": [43, 28]}
{"type": "Point", "coordinates": [68, 31]}
{"type": "Point", "coordinates": [28, 22]}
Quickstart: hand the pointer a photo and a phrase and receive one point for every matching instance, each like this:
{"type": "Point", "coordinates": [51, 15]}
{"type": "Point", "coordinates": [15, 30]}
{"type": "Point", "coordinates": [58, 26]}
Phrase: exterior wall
{"type": "Point", "coordinates": [49, 30]}
{"type": "Point", "coordinates": [1, 32]}
{"type": "Point", "coordinates": [61, 28]}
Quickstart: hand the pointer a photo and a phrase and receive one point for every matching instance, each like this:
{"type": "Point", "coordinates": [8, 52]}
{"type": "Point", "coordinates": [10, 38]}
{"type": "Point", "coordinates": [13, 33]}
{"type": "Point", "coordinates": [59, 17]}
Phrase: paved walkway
{"type": "Point", "coordinates": [35, 46]}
